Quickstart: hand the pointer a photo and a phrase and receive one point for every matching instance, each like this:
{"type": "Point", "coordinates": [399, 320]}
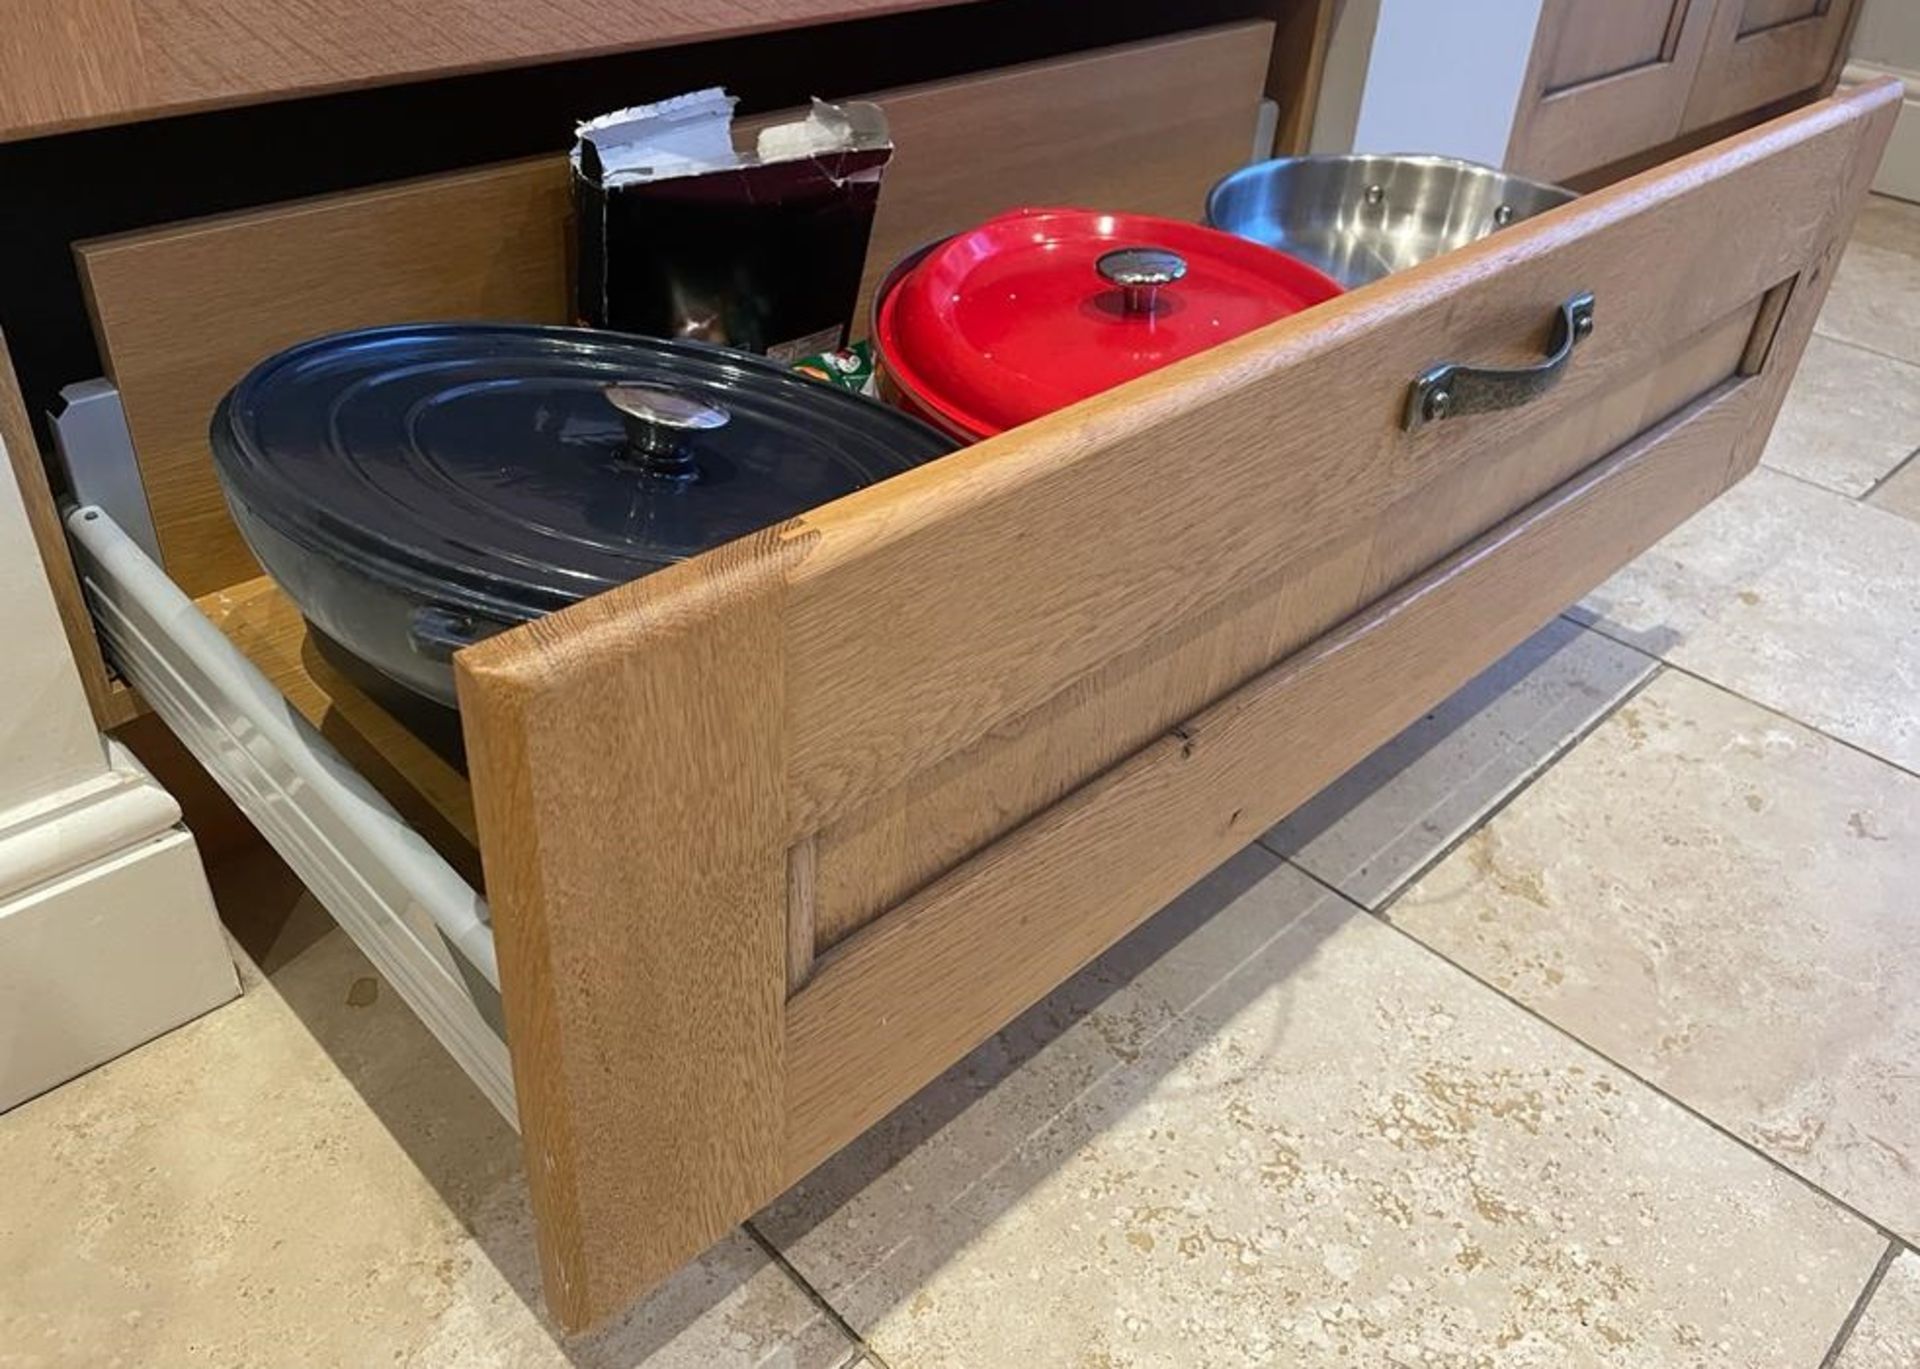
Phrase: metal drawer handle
{"type": "Point", "coordinates": [1453, 389]}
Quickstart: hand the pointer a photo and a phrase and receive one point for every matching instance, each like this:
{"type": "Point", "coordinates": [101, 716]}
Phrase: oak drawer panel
{"type": "Point", "coordinates": [661, 774]}
{"type": "Point", "coordinates": [869, 860]}
{"type": "Point", "coordinates": [886, 1013]}
{"type": "Point", "coordinates": [1761, 51]}
{"type": "Point", "coordinates": [1008, 571]}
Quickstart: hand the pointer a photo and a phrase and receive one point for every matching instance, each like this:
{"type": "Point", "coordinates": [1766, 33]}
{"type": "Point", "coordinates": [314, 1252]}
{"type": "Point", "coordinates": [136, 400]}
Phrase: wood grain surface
{"type": "Point", "coordinates": [881, 1016]}
{"type": "Point", "coordinates": [899, 841]}
{"type": "Point", "coordinates": [632, 825]}
{"type": "Point", "coordinates": [73, 63]}
{"type": "Point", "coordinates": [977, 615]}
{"type": "Point", "coordinates": [1302, 35]}
{"type": "Point", "coordinates": [1612, 83]}
{"type": "Point", "coordinates": [1605, 81]}
{"type": "Point", "coordinates": [877, 1019]}
{"type": "Point", "coordinates": [259, 619]}
{"type": "Point", "coordinates": [1758, 53]}
{"type": "Point", "coordinates": [1585, 42]}
{"type": "Point", "coordinates": [645, 763]}
{"type": "Point", "coordinates": [183, 312]}
{"type": "Point", "coordinates": [1755, 15]}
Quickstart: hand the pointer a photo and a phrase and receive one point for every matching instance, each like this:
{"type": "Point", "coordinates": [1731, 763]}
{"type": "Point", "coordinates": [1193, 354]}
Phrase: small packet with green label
{"type": "Point", "coordinates": [849, 368]}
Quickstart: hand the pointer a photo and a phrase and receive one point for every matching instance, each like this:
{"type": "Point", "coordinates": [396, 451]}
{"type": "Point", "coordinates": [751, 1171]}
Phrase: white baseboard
{"type": "Point", "coordinates": [1900, 169]}
{"type": "Point", "coordinates": [108, 935]}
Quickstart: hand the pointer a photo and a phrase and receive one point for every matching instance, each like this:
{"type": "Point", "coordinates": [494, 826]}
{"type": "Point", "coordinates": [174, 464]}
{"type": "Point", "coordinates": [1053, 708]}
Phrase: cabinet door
{"type": "Point", "coordinates": [1760, 51]}
{"type": "Point", "coordinates": [1608, 78]}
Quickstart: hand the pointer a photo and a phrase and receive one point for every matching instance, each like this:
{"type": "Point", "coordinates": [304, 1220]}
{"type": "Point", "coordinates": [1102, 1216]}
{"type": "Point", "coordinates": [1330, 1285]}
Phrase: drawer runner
{"type": "Point", "coordinates": [424, 927]}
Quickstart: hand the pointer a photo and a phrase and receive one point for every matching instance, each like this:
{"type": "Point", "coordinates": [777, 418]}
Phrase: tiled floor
{"type": "Point", "coordinates": [1580, 1026]}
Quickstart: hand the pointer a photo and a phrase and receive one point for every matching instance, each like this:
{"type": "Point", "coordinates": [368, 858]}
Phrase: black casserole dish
{"type": "Point", "coordinates": [414, 489]}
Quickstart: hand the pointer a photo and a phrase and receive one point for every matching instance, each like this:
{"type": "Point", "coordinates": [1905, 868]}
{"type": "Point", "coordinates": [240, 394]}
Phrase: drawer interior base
{"type": "Point", "coordinates": [260, 620]}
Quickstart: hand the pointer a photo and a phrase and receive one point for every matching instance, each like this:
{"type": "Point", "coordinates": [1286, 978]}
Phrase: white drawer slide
{"type": "Point", "coordinates": [422, 925]}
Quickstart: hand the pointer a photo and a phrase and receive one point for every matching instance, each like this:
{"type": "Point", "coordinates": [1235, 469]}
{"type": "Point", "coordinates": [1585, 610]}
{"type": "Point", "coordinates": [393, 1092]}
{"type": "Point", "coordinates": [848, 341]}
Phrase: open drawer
{"type": "Point", "coordinates": [773, 837]}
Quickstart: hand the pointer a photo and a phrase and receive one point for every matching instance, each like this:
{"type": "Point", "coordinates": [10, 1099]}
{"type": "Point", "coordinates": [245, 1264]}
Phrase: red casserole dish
{"type": "Point", "coordinates": [1041, 308]}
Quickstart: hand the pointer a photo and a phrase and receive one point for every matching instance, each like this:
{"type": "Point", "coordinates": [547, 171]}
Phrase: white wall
{"type": "Point", "coordinates": [1887, 42]}
{"type": "Point", "coordinates": [1446, 78]}
{"type": "Point", "coordinates": [1889, 34]}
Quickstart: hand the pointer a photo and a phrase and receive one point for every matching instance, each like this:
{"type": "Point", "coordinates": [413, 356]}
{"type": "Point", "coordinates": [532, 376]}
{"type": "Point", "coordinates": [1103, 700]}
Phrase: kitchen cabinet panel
{"type": "Point", "coordinates": [1606, 80]}
{"type": "Point", "coordinates": [1763, 51]}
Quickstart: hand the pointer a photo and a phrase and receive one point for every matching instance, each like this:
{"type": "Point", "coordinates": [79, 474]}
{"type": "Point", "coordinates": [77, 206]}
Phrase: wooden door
{"type": "Point", "coordinates": [1608, 78]}
{"type": "Point", "coordinates": [1761, 51]}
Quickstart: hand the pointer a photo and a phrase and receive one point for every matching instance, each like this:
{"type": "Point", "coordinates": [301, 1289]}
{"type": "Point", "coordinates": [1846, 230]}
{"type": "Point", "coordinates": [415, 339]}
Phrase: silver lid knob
{"type": "Point", "coordinates": [1140, 272]}
{"type": "Point", "coordinates": [657, 423]}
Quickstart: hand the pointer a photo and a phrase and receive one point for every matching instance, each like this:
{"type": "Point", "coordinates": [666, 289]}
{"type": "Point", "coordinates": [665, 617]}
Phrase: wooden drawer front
{"type": "Point", "coordinates": [183, 312]}
{"type": "Point", "coordinates": [1756, 15]}
{"type": "Point", "coordinates": [71, 63]}
{"type": "Point", "coordinates": [1766, 50]}
{"type": "Point", "coordinates": [1607, 80]}
{"type": "Point", "coordinates": [1099, 646]}
{"type": "Point", "coordinates": [868, 860]}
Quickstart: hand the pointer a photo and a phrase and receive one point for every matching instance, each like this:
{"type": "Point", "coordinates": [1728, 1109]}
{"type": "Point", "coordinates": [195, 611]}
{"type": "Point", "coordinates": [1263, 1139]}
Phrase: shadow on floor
{"type": "Point", "coordinates": [471, 1156]}
{"type": "Point", "coordinates": [447, 1127]}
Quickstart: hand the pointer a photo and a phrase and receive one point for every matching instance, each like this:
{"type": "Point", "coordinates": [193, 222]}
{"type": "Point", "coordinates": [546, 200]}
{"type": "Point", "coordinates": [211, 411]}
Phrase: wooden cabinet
{"type": "Point", "coordinates": [1763, 51]}
{"type": "Point", "coordinates": [771, 838]}
{"type": "Point", "coordinates": [1608, 78]}
{"type": "Point", "coordinates": [77, 63]}
{"type": "Point", "coordinates": [1611, 79]}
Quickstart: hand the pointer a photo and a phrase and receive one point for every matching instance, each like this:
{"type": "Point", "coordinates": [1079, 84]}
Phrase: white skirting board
{"type": "Point", "coordinates": [102, 956]}
{"type": "Point", "coordinates": [1900, 169]}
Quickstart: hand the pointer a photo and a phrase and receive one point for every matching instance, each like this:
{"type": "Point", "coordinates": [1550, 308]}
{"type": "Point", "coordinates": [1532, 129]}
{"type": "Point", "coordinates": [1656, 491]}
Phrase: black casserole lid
{"type": "Point", "coordinates": [511, 470]}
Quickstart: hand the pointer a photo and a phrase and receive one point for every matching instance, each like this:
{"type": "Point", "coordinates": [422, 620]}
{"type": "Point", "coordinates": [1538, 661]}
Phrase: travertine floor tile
{"type": "Point", "coordinates": [1901, 492]}
{"type": "Point", "coordinates": [1374, 828]}
{"type": "Point", "coordinates": [1349, 1153]}
{"type": "Point", "coordinates": [1852, 416]}
{"type": "Point", "coordinates": [1875, 301]}
{"type": "Point", "coordinates": [1726, 904]}
{"type": "Point", "coordinates": [837, 1224]}
{"type": "Point", "coordinates": [305, 1178]}
{"type": "Point", "coordinates": [1792, 596]}
{"type": "Point", "coordinates": [1887, 1335]}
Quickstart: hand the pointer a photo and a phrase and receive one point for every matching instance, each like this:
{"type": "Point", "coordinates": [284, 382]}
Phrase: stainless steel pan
{"type": "Point", "coordinates": [1359, 218]}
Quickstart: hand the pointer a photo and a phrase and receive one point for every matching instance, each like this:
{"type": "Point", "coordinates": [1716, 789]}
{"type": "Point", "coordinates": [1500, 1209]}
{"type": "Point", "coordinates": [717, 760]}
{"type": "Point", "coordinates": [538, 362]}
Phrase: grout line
{"type": "Point", "coordinates": [1862, 346]}
{"type": "Point", "coordinates": [1499, 806]}
{"type": "Point", "coordinates": [1879, 484]}
{"type": "Point", "coordinates": [816, 1297]}
{"type": "Point", "coordinates": [1845, 1333]}
{"type": "Point", "coordinates": [1813, 484]}
{"type": "Point", "coordinates": [1780, 713]}
{"type": "Point", "coordinates": [1878, 1227]}
{"type": "Point", "coordinates": [1558, 754]}
{"type": "Point", "coordinates": [1896, 1244]}
{"type": "Point", "coordinates": [1381, 914]}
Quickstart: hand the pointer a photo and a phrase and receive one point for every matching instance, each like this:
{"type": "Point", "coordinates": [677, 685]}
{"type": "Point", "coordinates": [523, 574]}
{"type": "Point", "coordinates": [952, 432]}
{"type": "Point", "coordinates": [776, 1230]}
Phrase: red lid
{"type": "Point", "coordinates": [1040, 308]}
